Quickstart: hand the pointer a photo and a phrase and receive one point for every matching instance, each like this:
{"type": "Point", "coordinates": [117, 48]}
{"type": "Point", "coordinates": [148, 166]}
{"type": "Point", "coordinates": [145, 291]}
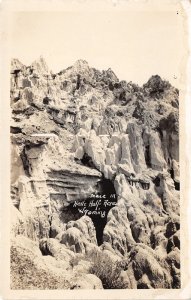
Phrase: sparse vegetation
{"type": "Point", "coordinates": [28, 273]}
{"type": "Point", "coordinates": [106, 270]}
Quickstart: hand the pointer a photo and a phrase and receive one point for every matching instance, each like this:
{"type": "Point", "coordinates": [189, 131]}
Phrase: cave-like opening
{"type": "Point", "coordinates": [96, 206]}
{"type": "Point", "coordinates": [107, 191]}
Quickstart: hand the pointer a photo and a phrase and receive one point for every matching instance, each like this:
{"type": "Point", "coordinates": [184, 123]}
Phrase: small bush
{"type": "Point", "coordinates": [107, 271]}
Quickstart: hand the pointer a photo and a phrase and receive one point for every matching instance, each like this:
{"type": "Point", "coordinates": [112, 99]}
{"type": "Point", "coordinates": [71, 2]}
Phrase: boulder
{"type": "Point", "coordinates": [88, 281]}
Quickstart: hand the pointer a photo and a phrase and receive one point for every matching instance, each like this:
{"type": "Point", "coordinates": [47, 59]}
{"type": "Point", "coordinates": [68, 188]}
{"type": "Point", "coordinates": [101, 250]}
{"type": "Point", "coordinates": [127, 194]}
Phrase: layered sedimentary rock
{"type": "Point", "coordinates": [82, 132]}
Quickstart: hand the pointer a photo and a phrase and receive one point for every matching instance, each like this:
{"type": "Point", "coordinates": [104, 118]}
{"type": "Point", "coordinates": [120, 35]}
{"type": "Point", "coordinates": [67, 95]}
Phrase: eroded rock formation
{"type": "Point", "coordinates": [82, 132]}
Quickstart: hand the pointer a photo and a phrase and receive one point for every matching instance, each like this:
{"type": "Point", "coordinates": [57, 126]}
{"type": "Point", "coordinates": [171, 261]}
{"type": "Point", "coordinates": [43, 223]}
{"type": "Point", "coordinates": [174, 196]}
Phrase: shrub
{"type": "Point", "coordinates": [107, 271]}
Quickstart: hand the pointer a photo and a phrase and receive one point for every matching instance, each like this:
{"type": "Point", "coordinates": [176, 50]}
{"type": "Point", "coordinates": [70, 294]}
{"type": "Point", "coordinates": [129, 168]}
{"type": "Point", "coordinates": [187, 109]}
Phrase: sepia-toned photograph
{"type": "Point", "coordinates": [95, 98]}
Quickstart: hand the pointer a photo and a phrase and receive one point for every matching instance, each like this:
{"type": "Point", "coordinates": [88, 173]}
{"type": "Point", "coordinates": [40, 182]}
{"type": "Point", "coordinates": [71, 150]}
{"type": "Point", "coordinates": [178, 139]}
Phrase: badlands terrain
{"type": "Point", "coordinates": [94, 180]}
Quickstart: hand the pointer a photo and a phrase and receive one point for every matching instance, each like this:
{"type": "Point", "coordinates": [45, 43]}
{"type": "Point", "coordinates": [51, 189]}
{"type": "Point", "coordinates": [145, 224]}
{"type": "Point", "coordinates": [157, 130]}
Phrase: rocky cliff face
{"type": "Point", "coordinates": [82, 134]}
